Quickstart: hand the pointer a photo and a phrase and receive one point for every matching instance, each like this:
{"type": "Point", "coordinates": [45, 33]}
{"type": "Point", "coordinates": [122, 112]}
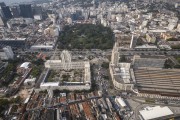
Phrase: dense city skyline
{"type": "Point", "coordinates": [90, 60]}
{"type": "Point", "coordinates": [8, 2]}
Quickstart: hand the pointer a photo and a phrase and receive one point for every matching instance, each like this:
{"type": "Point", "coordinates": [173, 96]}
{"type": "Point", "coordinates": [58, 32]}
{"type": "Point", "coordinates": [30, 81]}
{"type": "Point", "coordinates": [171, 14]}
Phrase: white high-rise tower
{"type": "Point", "coordinates": [9, 53]}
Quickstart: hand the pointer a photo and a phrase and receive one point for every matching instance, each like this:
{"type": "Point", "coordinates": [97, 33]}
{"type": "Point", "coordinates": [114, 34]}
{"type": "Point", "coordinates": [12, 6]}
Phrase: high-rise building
{"type": "Point", "coordinates": [2, 4]}
{"type": "Point", "coordinates": [6, 13]}
{"type": "Point", "coordinates": [9, 53]}
{"type": "Point", "coordinates": [37, 12]}
{"type": "Point", "coordinates": [95, 3]}
{"type": "Point", "coordinates": [1, 13]}
{"type": "Point", "coordinates": [1, 21]}
{"type": "Point", "coordinates": [26, 10]}
{"type": "Point", "coordinates": [15, 11]}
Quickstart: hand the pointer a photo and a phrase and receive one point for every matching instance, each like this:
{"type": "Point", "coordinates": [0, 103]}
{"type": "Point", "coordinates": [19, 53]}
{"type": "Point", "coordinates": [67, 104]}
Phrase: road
{"type": "Point", "coordinates": [58, 52]}
{"type": "Point", "coordinates": [108, 52]}
{"type": "Point", "coordinates": [149, 52]}
{"type": "Point", "coordinates": [41, 78]}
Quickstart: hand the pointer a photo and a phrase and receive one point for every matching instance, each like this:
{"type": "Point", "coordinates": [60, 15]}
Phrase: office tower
{"type": "Point", "coordinates": [2, 4]}
{"type": "Point", "coordinates": [37, 12]}
{"type": "Point", "coordinates": [15, 11]}
{"type": "Point", "coordinates": [95, 3]}
{"type": "Point", "coordinates": [6, 13]}
{"type": "Point", "coordinates": [26, 10]}
{"type": "Point", "coordinates": [1, 21]}
{"type": "Point", "coordinates": [9, 53]}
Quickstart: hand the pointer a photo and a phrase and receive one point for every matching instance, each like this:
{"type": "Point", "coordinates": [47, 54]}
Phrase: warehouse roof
{"type": "Point", "coordinates": [155, 112]}
{"type": "Point", "coordinates": [159, 80]}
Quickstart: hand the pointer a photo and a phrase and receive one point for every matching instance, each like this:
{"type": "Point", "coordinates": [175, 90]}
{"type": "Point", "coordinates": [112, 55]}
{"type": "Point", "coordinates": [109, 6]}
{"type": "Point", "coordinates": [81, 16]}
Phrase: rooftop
{"type": "Point", "coordinates": [149, 61]}
{"type": "Point", "coordinates": [121, 72]}
{"type": "Point", "coordinates": [158, 80]}
{"type": "Point", "coordinates": [50, 84]}
{"type": "Point", "coordinates": [155, 112]}
{"type": "Point", "coordinates": [25, 65]}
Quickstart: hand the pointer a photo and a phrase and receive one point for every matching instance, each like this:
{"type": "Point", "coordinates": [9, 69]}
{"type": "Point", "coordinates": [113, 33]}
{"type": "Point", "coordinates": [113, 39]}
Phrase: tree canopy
{"type": "Point", "coordinates": [86, 36]}
{"type": "Point", "coordinates": [172, 39]}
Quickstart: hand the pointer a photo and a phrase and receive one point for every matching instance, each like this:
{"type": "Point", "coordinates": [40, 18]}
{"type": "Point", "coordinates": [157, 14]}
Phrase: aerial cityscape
{"type": "Point", "coordinates": [90, 60]}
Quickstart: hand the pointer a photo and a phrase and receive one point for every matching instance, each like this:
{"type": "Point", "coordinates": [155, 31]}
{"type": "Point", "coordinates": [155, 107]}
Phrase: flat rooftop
{"type": "Point", "coordinates": [158, 80]}
{"type": "Point", "coordinates": [150, 113]}
{"type": "Point", "coordinates": [149, 61]}
{"type": "Point", "coordinates": [121, 72]}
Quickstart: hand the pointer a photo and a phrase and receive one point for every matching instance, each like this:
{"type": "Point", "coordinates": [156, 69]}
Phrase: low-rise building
{"type": "Point", "coordinates": [23, 67]}
{"type": "Point", "coordinates": [30, 82]}
{"type": "Point", "coordinates": [120, 102]}
{"type": "Point", "coordinates": [66, 66]}
{"type": "Point", "coordinates": [156, 113]}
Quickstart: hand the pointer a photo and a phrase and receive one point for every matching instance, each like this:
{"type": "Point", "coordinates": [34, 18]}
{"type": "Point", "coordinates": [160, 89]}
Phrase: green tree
{"type": "Point", "coordinates": [105, 65]}
{"type": "Point", "coordinates": [4, 103]}
{"type": "Point", "coordinates": [86, 36]}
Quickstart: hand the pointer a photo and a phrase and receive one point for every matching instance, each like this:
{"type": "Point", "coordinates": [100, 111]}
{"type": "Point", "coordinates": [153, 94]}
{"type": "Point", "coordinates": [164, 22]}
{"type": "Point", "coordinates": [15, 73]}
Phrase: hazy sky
{"type": "Point", "coordinates": [14, 1]}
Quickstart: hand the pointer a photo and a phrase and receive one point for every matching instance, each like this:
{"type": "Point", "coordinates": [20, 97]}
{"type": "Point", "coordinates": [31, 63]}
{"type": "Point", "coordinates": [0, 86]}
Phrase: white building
{"type": "Point", "coordinates": [3, 55]}
{"type": "Point", "coordinates": [120, 75]}
{"type": "Point", "coordinates": [120, 102]}
{"type": "Point", "coordinates": [9, 53]}
{"type": "Point", "coordinates": [171, 26]}
{"type": "Point", "coordinates": [44, 47]}
{"type": "Point", "coordinates": [157, 112]}
{"type": "Point", "coordinates": [69, 21]}
{"type": "Point", "coordinates": [25, 65]}
{"type": "Point", "coordinates": [66, 64]}
{"type": "Point", "coordinates": [38, 17]}
{"type": "Point", "coordinates": [120, 72]}
{"type": "Point", "coordinates": [30, 82]}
